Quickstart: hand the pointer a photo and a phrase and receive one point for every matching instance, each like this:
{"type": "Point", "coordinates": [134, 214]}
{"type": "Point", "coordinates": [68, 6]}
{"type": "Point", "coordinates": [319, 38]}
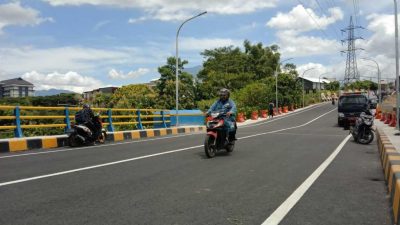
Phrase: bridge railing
{"type": "Point", "coordinates": [19, 118]}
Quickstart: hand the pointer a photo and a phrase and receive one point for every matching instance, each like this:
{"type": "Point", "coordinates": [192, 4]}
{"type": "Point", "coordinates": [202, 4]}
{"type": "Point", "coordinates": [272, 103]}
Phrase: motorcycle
{"type": "Point", "coordinates": [81, 134]}
{"type": "Point", "coordinates": [362, 130]}
{"type": "Point", "coordinates": [216, 138]}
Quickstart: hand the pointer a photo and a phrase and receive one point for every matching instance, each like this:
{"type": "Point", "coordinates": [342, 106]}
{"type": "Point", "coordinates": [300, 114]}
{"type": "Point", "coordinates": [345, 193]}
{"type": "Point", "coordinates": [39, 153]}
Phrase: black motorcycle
{"type": "Point", "coordinates": [216, 138]}
{"type": "Point", "coordinates": [362, 130]}
{"type": "Point", "coordinates": [81, 134]}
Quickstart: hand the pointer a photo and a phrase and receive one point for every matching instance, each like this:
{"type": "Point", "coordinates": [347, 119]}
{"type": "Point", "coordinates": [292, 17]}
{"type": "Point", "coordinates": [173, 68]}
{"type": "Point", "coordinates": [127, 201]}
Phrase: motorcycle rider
{"type": "Point", "coordinates": [86, 116]}
{"type": "Point", "coordinates": [229, 106]}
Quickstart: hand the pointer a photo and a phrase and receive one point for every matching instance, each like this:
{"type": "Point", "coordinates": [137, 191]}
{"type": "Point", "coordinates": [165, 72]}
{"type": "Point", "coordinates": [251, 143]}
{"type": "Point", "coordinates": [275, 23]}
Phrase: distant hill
{"type": "Point", "coordinates": [51, 92]}
{"type": "Point", "coordinates": [193, 70]}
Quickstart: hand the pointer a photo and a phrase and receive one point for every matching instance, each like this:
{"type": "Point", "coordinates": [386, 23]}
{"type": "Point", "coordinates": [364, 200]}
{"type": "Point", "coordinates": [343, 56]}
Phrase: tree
{"type": "Point", "coordinates": [138, 96]}
{"type": "Point", "coordinates": [332, 86]}
{"type": "Point", "coordinates": [166, 86]}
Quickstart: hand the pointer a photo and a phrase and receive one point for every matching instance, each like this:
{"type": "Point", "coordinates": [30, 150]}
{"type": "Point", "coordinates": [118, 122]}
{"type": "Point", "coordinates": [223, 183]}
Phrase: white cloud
{"type": "Point", "coordinates": [138, 20]}
{"type": "Point", "coordinates": [114, 74]}
{"type": "Point", "coordinates": [67, 81]}
{"type": "Point", "coordinates": [15, 14]}
{"type": "Point", "coordinates": [200, 44]}
{"type": "Point", "coordinates": [315, 70]}
{"type": "Point", "coordinates": [297, 45]}
{"type": "Point", "coordinates": [63, 59]}
{"type": "Point", "coordinates": [299, 20]}
{"type": "Point", "coordinates": [167, 10]}
{"type": "Point", "coordinates": [101, 24]}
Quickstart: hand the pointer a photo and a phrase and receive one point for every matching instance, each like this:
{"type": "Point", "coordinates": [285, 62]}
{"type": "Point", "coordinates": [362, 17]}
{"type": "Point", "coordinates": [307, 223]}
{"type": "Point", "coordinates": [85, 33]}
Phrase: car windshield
{"type": "Point", "coordinates": [353, 100]}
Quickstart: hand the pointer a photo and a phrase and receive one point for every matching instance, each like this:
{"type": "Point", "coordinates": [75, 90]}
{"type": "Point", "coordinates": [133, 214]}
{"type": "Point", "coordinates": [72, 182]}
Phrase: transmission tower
{"type": "Point", "coordinates": [351, 73]}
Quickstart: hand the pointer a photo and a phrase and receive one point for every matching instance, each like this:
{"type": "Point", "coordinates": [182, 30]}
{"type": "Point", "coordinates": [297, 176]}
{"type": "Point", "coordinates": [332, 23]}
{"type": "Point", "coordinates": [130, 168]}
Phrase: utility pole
{"type": "Point", "coordinates": [351, 72]}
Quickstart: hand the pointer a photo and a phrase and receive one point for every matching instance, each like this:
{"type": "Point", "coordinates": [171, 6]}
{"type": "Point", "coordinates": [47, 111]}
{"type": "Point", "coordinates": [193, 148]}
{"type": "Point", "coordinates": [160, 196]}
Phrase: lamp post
{"type": "Point", "coordinates": [303, 82]}
{"type": "Point", "coordinates": [397, 63]}
{"type": "Point", "coordinates": [177, 66]}
{"type": "Point", "coordinates": [319, 82]}
{"type": "Point", "coordinates": [276, 82]}
{"type": "Point", "coordinates": [379, 80]}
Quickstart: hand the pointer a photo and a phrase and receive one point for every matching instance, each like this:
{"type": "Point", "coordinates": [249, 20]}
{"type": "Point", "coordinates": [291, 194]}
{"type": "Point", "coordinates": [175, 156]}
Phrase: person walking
{"type": "Point", "coordinates": [271, 110]}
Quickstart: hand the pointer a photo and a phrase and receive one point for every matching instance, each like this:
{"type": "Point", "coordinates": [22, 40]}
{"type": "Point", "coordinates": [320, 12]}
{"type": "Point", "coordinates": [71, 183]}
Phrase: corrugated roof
{"type": "Point", "coordinates": [15, 81]}
{"type": "Point", "coordinates": [316, 80]}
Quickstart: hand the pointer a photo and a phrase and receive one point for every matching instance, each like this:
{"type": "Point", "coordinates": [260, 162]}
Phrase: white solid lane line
{"type": "Point", "coordinates": [140, 157]}
{"type": "Point", "coordinates": [277, 216]}
{"type": "Point", "coordinates": [144, 140]}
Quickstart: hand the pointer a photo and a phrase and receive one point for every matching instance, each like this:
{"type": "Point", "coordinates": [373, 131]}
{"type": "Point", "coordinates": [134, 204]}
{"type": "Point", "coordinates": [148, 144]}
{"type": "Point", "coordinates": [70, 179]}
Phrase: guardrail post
{"type": "Point", "coordinates": [17, 131]}
{"type": "Point", "coordinates": [110, 126]}
{"type": "Point", "coordinates": [163, 119]}
{"type": "Point", "coordinates": [67, 121]}
{"type": "Point", "coordinates": [140, 125]}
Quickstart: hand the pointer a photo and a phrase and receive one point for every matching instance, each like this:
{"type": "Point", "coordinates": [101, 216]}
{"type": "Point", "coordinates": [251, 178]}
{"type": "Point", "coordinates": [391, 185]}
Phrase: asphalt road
{"type": "Point", "coordinates": [170, 181]}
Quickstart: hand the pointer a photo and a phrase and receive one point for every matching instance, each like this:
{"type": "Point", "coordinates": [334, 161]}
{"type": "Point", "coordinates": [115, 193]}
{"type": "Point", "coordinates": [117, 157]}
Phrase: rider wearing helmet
{"type": "Point", "coordinates": [87, 116]}
{"type": "Point", "coordinates": [229, 106]}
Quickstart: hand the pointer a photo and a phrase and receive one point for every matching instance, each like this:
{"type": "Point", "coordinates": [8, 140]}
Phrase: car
{"type": "Point", "coordinates": [350, 106]}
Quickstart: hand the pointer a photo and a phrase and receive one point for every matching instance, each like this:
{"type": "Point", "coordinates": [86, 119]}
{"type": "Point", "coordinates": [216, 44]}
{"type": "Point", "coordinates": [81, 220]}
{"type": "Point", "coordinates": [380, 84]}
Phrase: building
{"type": "Point", "coordinates": [15, 88]}
{"type": "Point", "coordinates": [314, 83]}
{"type": "Point", "coordinates": [90, 95]}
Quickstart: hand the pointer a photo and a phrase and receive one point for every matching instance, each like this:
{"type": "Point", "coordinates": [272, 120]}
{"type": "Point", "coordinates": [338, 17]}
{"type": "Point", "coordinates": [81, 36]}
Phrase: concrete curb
{"type": "Point", "coordinates": [32, 143]}
{"type": "Point", "coordinates": [390, 159]}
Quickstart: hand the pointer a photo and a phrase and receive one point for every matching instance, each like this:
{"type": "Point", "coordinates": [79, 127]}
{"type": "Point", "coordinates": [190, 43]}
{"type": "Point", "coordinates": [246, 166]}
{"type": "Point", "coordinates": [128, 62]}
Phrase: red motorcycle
{"type": "Point", "coordinates": [216, 138]}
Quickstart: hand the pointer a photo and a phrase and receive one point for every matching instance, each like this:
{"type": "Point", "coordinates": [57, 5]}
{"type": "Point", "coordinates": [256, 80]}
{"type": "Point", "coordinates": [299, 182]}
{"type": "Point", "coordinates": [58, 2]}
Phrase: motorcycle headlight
{"type": "Point", "coordinates": [341, 114]}
{"type": "Point", "coordinates": [368, 122]}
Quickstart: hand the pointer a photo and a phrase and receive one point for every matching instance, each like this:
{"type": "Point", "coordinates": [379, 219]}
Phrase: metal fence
{"type": "Point", "coordinates": [18, 118]}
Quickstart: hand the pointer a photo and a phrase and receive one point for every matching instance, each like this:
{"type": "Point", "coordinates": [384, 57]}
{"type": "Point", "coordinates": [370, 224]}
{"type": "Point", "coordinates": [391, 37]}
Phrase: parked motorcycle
{"type": "Point", "coordinates": [216, 138]}
{"type": "Point", "coordinates": [362, 130]}
{"type": "Point", "coordinates": [80, 134]}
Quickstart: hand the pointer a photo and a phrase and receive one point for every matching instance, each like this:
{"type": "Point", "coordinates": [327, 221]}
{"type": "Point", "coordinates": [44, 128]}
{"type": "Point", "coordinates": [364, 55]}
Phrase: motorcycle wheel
{"type": "Point", "coordinates": [72, 141]}
{"type": "Point", "coordinates": [102, 137]}
{"type": "Point", "coordinates": [230, 146]}
{"type": "Point", "coordinates": [368, 137]}
{"type": "Point", "coordinates": [209, 147]}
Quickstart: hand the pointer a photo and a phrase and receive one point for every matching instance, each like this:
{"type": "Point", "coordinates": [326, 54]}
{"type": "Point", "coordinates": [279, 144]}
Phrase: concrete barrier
{"type": "Point", "coordinates": [48, 142]}
{"type": "Point", "coordinates": [390, 159]}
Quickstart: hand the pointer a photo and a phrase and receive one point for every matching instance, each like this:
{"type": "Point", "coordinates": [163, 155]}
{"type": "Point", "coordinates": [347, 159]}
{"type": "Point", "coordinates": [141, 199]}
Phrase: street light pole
{"type": "Point", "coordinates": [379, 80]}
{"type": "Point", "coordinates": [397, 63]}
{"type": "Point", "coordinates": [177, 66]}
{"type": "Point", "coordinates": [303, 82]}
{"type": "Point", "coordinates": [276, 82]}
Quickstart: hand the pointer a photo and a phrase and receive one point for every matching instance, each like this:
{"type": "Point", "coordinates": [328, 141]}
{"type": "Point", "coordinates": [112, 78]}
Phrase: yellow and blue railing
{"type": "Point", "coordinates": [18, 118]}
{"type": "Point", "coordinates": [21, 114]}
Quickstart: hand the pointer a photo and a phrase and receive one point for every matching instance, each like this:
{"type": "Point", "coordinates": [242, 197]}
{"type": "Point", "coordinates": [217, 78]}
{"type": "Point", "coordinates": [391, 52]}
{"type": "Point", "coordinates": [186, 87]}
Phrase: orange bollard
{"type": "Point", "coordinates": [378, 115]}
{"type": "Point", "coordinates": [285, 109]}
{"type": "Point", "coordinates": [280, 110]}
{"type": "Point", "coordinates": [388, 118]}
{"type": "Point", "coordinates": [383, 117]}
{"type": "Point", "coordinates": [240, 118]}
{"type": "Point", "coordinates": [291, 107]}
{"type": "Point", "coordinates": [264, 113]}
{"type": "Point", "coordinates": [254, 115]}
{"type": "Point", "coordinates": [393, 121]}
{"type": "Point", "coordinates": [275, 112]}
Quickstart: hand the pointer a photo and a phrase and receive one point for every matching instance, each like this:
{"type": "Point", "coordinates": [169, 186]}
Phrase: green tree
{"type": "Point", "coordinates": [332, 86]}
{"type": "Point", "coordinates": [139, 96]}
{"type": "Point", "coordinates": [166, 86]}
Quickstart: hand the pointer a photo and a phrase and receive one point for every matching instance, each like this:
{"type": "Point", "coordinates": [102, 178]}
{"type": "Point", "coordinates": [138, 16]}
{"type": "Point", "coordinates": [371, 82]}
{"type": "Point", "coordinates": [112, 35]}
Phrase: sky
{"type": "Point", "coordinates": [80, 45]}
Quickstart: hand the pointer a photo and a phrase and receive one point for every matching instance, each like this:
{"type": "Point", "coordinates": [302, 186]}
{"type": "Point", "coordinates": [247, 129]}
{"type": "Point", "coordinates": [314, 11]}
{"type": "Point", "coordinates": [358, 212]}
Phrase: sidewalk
{"type": "Point", "coordinates": [389, 132]}
{"type": "Point", "coordinates": [249, 121]}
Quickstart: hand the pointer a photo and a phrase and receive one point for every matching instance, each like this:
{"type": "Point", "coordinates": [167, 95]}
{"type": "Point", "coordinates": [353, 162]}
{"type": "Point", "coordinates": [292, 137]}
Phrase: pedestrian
{"type": "Point", "coordinates": [333, 99]}
{"type": "Point", "coordinates": [271, 110]}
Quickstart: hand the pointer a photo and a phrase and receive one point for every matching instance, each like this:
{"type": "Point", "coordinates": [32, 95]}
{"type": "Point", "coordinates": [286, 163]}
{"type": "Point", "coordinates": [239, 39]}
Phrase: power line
{"type": "Point", "coordinates": [315, 21]}
{"type": "Point", "coordinates": [322, 12]}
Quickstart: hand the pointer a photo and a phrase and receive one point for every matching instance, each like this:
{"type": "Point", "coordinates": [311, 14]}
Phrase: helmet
{"type": "Point", "coordinates": [86, 106]}
{"type": "Point", "coordinates": [225, 92]}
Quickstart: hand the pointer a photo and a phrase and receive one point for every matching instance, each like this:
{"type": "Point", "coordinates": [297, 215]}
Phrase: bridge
{"type": "Point", "coordinates": [297, 168]}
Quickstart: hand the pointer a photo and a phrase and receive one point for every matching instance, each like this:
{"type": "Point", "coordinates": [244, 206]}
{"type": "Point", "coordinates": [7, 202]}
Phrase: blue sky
{"type": "Point", "coordinates": [80, 45]}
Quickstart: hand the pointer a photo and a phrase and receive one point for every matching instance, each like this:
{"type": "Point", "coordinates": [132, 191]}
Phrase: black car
{"type": "Point", "coordinates": [350, 106]}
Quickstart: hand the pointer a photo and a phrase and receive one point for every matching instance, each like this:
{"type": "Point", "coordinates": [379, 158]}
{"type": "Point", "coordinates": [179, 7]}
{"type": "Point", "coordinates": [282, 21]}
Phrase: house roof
{"type": "Point", "coordinates": [316, 80]}
{"type": "Point", "coordinates": [16, 81]}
